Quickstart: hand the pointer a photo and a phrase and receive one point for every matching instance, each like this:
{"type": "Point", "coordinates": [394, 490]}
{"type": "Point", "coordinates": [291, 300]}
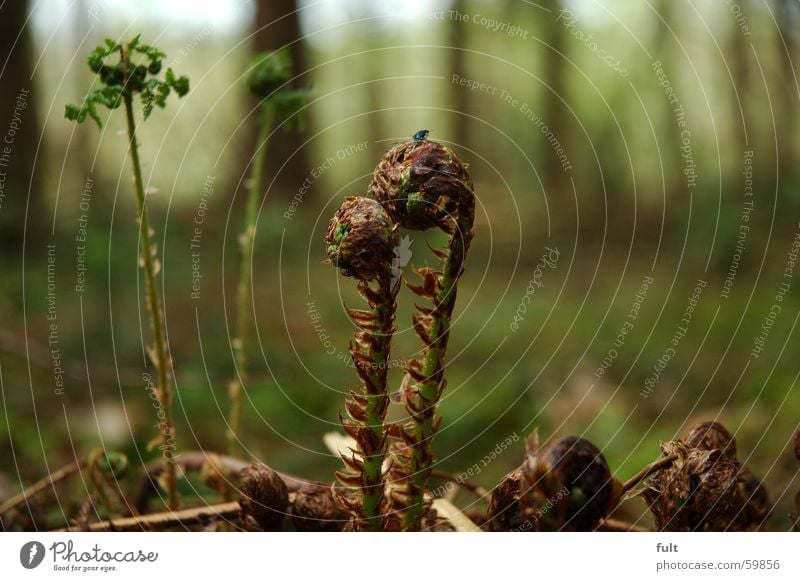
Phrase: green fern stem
{"type": "Point", "coordinates": [244, 319]}
{"type": "Point", "coordinates": [370, 350]}
{"type": "Point", "coordinates": [160, 354]}
{"type": "Point", "coordinates": [425, 376]}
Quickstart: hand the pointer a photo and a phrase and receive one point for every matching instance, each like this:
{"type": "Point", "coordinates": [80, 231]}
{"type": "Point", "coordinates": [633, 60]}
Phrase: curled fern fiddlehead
{"type": "Point", "coordinates": [361, 239]}
{"type": "Point", "coordinates": [423, 185]}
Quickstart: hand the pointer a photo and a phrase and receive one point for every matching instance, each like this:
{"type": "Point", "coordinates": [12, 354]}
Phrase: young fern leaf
{"type": "Point", "coordinates": [121, 80]}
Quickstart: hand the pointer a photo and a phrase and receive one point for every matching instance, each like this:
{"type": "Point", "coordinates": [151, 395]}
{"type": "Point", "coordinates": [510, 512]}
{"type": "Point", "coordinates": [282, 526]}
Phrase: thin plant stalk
{"type": "Point", "coordinates": [149, 264]}
{"type": "Point", "coordinates": [361, 241]}
{"type": "Point", "coordinates": [119, 83]}
{"type": "Point", "coordinates": [370, 350]}
{"type": "Point", "coordinates": [268, 79]}
{"type": "Point", "coordinates": [165, 520]}
{"type": "Point", "coordinates": [41, 485]}
{"type": "Point", "coordinates": [621, 526]}
{"type": "Point", "coordinates": [796, 516]}
{"type": "Point", "coordinates": [476, 489]}
{"type": "Point", "coordinates": [426, 376]}
{"type": "Point", "coordinates": [648, 471]}
{"type": "Point", "coordinates": [244, 320]}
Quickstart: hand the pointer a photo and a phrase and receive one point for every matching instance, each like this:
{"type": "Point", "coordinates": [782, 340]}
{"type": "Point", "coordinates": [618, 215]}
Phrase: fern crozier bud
{"type": "Point", "coordinates": [422, 185]}
{"type": "Point", "coordinates": [361, 239]}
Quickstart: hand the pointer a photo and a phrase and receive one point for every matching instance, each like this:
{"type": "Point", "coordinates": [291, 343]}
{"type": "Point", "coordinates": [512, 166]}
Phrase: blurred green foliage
{"type": "Point", "coordinates": [629, 215]}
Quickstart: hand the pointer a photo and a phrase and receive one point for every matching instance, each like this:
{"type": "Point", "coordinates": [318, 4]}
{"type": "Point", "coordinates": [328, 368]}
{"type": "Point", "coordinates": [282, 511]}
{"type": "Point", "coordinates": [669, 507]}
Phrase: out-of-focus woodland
{"type": "Point", "coordinates": [611, 142]}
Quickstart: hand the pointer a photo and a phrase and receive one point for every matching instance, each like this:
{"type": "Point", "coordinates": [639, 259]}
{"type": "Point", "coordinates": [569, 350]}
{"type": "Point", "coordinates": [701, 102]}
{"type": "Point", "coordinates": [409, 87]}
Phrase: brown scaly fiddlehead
{"type": "Point", "coordinates": [315, 510]}
{"type": "Point", "coordinates": [706, 488]}
{"type": "Point", "coordinates": [361, 239]}
{"type": "Point", "coordinates": [263, 499]}
{"type": "Point", "coordinates": [567, 485]}
{"type": "Point", "coordinates": [423, 184]}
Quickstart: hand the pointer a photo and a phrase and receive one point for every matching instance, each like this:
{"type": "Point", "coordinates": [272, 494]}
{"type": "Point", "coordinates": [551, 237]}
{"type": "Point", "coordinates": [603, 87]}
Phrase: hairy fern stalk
{"type": "Point", "coordinates": [424, 185]}
{"type": "Point", "coordinates": [267, 79]}
{"type": "Point", "coordinates": [136, 72]}
{"type": "Point", "coordinates": [360, 241]}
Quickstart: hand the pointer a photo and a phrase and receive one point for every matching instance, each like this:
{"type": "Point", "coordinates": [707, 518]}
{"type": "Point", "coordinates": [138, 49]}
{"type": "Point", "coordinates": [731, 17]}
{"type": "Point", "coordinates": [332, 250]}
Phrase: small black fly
{"type": "Point", "coordinates": [420, 135]}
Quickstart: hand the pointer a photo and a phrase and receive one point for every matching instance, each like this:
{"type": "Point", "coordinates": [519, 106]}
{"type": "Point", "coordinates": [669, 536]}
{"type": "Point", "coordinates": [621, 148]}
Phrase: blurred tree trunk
{"type": "Point", "coordinates": [456, 40]}
{"type": "Point", "coordinates": [663, 51]}
{"type": "Point", "coordinates": [786, 118]}
{"type": "Point", "coordinates": [19, 132]}
{"type": "Point", "coordinates": [556, 117]}
{"type": "Point", "coordinates": [739, 47]}
{"type": "Point", "coordinates": [82, 141]}
{"type": "Point", "coordinates": [277, 25]}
